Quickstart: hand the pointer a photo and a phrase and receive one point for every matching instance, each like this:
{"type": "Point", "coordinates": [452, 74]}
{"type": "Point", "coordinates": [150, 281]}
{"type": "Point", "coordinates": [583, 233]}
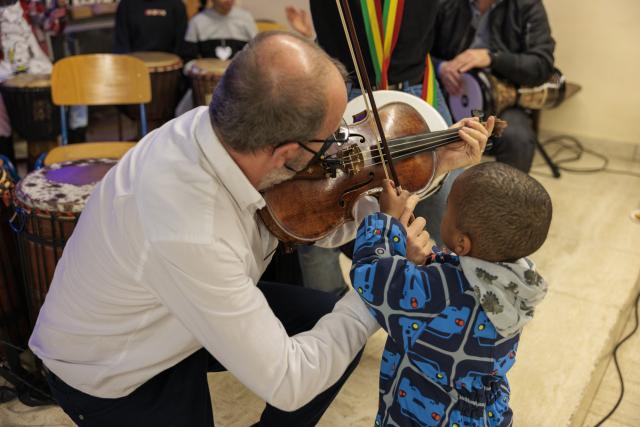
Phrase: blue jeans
{"type": "Point", "coordinates": [320, 266]}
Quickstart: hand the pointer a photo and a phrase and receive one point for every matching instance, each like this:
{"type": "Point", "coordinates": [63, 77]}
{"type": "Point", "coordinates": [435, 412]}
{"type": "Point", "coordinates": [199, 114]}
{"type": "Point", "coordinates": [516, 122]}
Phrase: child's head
{"type": "Point", "coordinates": [496, 213]}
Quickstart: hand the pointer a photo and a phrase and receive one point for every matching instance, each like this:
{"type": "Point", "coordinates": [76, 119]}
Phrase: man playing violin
{"type": "Point", "coordinates": [510, 38]}
{"type": "Point", "coordinates": [159, 282]}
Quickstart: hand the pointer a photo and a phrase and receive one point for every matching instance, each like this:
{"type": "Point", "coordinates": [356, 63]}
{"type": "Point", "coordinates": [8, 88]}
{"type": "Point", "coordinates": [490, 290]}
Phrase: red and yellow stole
{"type": "Point", "coordinates": [382, 22]}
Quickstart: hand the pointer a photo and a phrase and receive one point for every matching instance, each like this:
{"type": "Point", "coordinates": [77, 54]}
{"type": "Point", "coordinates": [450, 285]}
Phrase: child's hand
{"type": "Point", "coordinates": [398, 204]}
{"type": "Point", "coordinates": [419, 242]}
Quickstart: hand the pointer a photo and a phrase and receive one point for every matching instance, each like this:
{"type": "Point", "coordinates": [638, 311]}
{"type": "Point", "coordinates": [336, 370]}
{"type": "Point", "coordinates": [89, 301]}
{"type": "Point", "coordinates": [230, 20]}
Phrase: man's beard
{"type": "Point", "coordinates": [283, 174]}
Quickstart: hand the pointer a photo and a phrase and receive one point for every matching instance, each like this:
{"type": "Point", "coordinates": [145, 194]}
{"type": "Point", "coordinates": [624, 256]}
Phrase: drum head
{"type": "Point", "coordinates": [209, 66]}
{"type": "Point", "coordinates": [31, 81]}
{"type": "Point", "coordinates": [62, 187]}
{"type": "Point", "coordinates": [470, 99]}
{"type": "Point", "coordinates": [159, 61]}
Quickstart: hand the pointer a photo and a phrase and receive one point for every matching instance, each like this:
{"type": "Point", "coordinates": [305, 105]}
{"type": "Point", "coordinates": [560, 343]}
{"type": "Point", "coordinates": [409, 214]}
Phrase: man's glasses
{"type": "Point", "coordinates": [340, 136]}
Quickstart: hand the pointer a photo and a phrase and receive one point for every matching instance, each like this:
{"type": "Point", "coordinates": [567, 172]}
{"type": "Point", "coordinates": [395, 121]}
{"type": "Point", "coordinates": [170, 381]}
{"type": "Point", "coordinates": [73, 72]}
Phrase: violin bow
{"type": "Point", "coordinates": [363, 79]}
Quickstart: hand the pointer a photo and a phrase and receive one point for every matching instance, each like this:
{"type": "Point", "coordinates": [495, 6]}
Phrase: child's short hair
{"type": "Point", "coordinates": [505, 212]}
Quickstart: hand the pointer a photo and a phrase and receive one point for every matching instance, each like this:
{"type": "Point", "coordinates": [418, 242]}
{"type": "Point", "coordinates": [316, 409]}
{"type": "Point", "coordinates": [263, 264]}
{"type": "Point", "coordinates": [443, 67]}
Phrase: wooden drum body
{"type": "Point", "coordinates": [165, 72]}
{"type": "Point", "coordinates": [49, 202]}
{"type": "Point", "coordinates": [31, 111]}
{"type": "Point", "coordinates": [14, 322]}
{"type": "Point", "coordinates": [205, 75]}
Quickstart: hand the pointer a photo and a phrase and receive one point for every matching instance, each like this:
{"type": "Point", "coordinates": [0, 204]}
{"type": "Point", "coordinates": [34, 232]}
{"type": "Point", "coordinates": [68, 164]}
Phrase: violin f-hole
{"type": "Point", "coordinates": [353, 188]}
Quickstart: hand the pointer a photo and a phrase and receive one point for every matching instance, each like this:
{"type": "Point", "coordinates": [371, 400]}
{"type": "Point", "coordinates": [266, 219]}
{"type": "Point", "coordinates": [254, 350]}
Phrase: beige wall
{"type": "Point", "coordinates": [272, 9]}
{"type": "Point", "coordinates": [597, 47]}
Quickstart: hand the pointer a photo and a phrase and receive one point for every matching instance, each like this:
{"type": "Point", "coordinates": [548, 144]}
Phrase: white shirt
{"type": "Point", "coordinates": [163, 261]}
{"type": "Point", "coordinates": [210, 25]}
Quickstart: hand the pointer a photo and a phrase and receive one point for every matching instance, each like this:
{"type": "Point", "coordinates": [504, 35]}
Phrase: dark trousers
{"type": "Point", "coordinates": [518, 142]}
{"type": "Point", "coordinates": [179, 396]}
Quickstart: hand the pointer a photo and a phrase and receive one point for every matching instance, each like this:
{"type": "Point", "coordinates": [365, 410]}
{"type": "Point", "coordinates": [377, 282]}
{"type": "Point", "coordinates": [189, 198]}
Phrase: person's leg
{"type": "Point", "coordinates": [178, 396]}
{"type": "Point", "coordinates": [299, 309]}
{"type": "Point", "coordinates": [321, 269]}
{"type": "Point", "coordinates": [440, 102]}
{"type": "Point", "coordinates": [517, 145]}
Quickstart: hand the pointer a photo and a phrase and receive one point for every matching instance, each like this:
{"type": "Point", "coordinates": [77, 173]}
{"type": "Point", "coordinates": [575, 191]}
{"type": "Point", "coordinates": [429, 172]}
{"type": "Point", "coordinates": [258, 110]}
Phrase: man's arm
{"type": "Point", "coordinates": [207, 288]}
{"type": "Point", "coordinates": [535, 65]}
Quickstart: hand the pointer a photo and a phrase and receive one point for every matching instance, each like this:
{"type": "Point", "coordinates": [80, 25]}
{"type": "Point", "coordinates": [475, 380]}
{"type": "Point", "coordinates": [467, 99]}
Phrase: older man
{"type": "Point", "coordinates": [160, 276]}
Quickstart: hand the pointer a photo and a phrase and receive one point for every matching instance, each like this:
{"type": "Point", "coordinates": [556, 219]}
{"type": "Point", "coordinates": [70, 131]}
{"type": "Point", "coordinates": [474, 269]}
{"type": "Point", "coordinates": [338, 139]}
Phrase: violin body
{"type": "Point", "coordinates": [310, 206]}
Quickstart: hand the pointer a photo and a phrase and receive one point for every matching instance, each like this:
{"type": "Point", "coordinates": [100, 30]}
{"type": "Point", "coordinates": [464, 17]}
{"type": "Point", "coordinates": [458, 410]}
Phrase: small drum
{"type": "Point", "coordinates": [485, 92]}
{"type": "Point", "coordinates": [205, 75]}
{"type": "Point", "coordinates": [31, 111]}
{"type": "Point", "coordinates": [14, 323]}
{"type": "Point", "coordinates": [165, 71]}
{"type": "Point", "coordinates": [49, 202]}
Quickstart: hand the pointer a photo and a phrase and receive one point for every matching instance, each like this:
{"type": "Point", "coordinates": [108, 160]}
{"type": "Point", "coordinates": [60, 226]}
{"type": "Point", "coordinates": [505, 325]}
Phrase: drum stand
{"type": "Point", "coordinates": [555, 170]}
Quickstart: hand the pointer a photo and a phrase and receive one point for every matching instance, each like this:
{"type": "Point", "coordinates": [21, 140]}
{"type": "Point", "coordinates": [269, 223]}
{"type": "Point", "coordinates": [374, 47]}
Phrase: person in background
{"type": "Point", "coordinates": [509, 38]}
{"type": "Point", "coordinates": [219, 31]}
{"type": "Point", "coordinates": [150, 25]}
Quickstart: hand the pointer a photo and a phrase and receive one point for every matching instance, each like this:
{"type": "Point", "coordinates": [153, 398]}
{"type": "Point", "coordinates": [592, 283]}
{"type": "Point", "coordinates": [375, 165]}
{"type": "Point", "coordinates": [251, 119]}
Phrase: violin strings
{"type": "Point", "coordinates": [407, 152]}
{"type": "Point", "coordinates": [434, 139]}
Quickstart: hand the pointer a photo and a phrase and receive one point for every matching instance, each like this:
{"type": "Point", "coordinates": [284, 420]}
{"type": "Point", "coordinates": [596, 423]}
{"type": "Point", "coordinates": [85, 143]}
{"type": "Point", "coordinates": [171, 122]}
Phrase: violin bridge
{"type": "Point", "coordinates": [352, 159]}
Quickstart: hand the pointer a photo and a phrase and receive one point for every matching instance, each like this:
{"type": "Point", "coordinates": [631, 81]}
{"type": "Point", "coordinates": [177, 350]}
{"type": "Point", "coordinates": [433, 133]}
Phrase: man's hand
{"type": "Point", "coordinates": [474, 136]}
{"type": "Point", "coordinates": [472, 58]}
{"type": "Point", "coordinates": [450, 77]}
{"type": "Point", "coordinates": [300, 21]}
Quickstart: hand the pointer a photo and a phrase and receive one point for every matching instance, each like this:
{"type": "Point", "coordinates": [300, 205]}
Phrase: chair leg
{"type": "Point", "coordinates": [554, 168]}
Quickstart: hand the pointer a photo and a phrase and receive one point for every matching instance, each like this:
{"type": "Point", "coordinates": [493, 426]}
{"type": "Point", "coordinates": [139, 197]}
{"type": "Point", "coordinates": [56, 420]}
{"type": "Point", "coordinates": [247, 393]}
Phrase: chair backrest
{"type": "Point", "coordinates": [269, 25]}
{"type": "Point", "coordinates": [88, 150]}
{"type": "Point", "coordinates": [100, 79]}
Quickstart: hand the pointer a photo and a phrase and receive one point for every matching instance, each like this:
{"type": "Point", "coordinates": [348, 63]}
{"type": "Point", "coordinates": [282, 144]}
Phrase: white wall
{"type": "Point", "coordinates": [597, 47]}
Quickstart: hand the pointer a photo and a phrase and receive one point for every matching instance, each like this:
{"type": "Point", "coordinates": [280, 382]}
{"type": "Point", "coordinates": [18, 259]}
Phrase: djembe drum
{"type": "Point", "coordinates": [205, 75]}
{"type": "Point", "coordinates": [49, 202]}
{"type": "Point", "coordinates": [31, 111]}
{"type": "Point", "coordinates": [484, 91]}
{"type": "Point", "coordinates": [14, 323]}
{"type": "Point", "coordinates": [165, 72]}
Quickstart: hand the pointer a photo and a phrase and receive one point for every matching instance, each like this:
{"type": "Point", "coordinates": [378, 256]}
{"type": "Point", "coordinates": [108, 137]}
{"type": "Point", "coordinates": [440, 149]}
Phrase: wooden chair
{"type": "Point", "coordinates": [269, 25]}
{"type": "Point", "coordinates": [100, 79]}
{"type": "Point", "coordinates": [88, 150]}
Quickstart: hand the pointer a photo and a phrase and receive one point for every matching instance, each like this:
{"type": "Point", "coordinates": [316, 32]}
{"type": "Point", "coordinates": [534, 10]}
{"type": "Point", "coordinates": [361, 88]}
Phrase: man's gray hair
{"type": "Point", "coordinates": [256, 106]}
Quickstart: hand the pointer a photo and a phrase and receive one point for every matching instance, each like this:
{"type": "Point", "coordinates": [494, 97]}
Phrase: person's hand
{"type": "Point", "coordinates": [474, 136]}
{"type": "Point", "coordinates": [398, 204]}
{"type": "Point", "coordinates": [300, 21]}
{"type": "Point", "coordinates": [472, 58]}
{"type": "Point", "coordinates": [418, 241]}
{"type": "Point", "coordinates": [450, 78]}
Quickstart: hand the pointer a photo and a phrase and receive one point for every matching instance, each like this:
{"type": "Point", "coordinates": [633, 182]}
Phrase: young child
{"type": "Point", "coordinates": [454, 324]}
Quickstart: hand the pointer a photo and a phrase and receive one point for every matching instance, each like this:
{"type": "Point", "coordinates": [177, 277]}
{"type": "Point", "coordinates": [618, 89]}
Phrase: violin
{"type": "Point", "coordinates": [319, 199]}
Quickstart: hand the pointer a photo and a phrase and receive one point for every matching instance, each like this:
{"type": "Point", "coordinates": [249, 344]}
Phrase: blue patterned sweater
{"type": "Point", "coordinates": [444, 362]}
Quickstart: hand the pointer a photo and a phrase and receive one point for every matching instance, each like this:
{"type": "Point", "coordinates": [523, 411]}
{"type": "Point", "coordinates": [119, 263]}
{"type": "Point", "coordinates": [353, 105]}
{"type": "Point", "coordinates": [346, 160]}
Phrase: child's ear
{"type": "Point", "coordinates": [463, 244]}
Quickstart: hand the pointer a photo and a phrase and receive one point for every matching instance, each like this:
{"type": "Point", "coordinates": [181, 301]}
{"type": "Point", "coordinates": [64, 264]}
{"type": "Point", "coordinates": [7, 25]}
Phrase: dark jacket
{"type": "Point", "coordinates": [157, 25]}
{"type": "Point", "coordinates": [521, 39]}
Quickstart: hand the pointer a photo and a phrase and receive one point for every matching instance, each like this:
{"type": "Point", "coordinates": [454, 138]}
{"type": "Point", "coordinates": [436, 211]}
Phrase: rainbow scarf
{"type": "Point", "coordinates": [382, 24]}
